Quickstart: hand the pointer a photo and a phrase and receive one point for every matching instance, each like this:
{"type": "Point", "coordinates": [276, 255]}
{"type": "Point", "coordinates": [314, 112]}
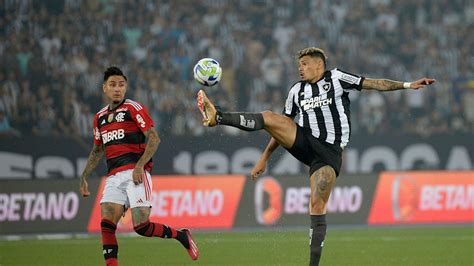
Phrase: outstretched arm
{"type": "Point", "coordinates": [259, 168]}
{"type": "Point", "coordinates": [153, 140]}
{"type": "Point", "coordinates": [390, 85]}
{"type": "Point", "coordinates": [94, 159]}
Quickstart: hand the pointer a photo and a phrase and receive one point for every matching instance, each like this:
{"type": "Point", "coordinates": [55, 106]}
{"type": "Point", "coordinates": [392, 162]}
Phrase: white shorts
{"type": "Point", "coordinates": [120, 189]}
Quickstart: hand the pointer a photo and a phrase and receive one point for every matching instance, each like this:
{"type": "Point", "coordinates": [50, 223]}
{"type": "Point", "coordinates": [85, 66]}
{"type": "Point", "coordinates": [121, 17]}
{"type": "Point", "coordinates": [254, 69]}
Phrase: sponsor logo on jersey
{"type": "Point", "coordinates": [315, 102]}
{"type": "Point", "coordinates": [120, 117]}
{"type": "Point", "coordinates": [103, 122]}
{"type": "Point", "coordinates": [121, 109]}
{"type": "Point", "coordinates": [140, 120]}
{"type": "Point", "coordinates": [97, 133]}
{"type": "Point", "coordinates": [113, 135]}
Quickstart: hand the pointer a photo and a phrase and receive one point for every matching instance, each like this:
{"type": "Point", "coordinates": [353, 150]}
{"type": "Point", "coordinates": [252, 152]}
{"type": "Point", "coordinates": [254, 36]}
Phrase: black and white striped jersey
{"type": "Point", "coordinates": [323, 106]}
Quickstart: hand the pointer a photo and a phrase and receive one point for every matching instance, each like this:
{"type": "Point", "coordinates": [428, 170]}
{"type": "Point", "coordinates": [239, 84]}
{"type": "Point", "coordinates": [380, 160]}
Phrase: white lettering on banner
{"type": "Point", "coordinates": [342, 199]}
{"type": "Point", "coordinates": [63, 165]}
{"type": "Point", "coordinates": [367, 160]}
{"type": "Point", "coordinates": [345, 199]}
{"type": "Point", "coordinates": [178, 203]}
{"type": "Point", "coordinates": [38, 206]}
{"type": "Point", "coordinates": [241, 162]}
{"type": "Point", "coordinates": [18, 166]}
{"type": "Point", "coordinates": [446, 197]}
{"type": "Point", "coordinates": [297, 200]}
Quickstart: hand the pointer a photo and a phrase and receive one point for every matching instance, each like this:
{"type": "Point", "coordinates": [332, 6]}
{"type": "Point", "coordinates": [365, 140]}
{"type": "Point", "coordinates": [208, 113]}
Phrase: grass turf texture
{"type": "Point", "coordinates": [374, 246]}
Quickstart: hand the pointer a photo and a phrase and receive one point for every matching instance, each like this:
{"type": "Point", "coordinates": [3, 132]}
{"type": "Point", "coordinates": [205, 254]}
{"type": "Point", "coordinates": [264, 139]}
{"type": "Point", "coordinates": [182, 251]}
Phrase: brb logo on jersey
{"type": "Point", "coordinates": [113, 135]}
{"type": "Point", "coordinates": [314, 102]}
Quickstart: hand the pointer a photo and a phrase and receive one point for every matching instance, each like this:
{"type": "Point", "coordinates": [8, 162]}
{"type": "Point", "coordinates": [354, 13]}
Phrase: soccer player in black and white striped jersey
{"type": "Point", "coordinates": [318, 137]}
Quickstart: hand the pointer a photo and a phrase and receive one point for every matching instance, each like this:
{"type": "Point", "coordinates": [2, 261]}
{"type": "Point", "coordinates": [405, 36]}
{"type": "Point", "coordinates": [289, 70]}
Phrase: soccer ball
{"type": "Point", "coordinates": [207, 72]}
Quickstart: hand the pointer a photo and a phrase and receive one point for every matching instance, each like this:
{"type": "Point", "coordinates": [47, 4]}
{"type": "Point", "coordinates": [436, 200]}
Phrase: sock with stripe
{"type": "Point", "coordinates": [317, 233]}
{"type": "Point", "coordinates": [109, 242]}
{"type": "Point", "coordinates": [160, 230]}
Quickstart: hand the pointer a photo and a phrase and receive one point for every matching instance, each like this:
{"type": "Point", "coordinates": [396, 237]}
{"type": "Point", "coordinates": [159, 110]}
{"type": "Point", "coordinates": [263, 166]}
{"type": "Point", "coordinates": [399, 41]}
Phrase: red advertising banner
{"type": "Point", "coordinates": [186, 201]}
{"type": "Point", "coordinates": [423, 197]}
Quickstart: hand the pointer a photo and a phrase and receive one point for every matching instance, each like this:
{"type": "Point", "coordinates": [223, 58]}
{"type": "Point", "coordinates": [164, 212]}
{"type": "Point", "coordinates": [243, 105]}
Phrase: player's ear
{"type": "Point", "coordinates": [103, 87]}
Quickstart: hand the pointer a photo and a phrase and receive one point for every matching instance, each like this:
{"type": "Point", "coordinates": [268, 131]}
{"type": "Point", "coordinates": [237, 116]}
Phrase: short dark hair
{"type": "Point", "coordinates": [313, 52]}
{"type": "Point", "coordinates": [113, 71]}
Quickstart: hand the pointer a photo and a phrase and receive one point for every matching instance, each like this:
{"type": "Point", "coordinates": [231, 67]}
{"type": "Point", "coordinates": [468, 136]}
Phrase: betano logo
{"type": "Point", "coordinates": [186, 201]}
{"type": "Point", "coordinates": [268, 211]}
{"type": "Point", "coordinates": [423, 197]}
{"type": "Point", "coordinates": [41, 206]}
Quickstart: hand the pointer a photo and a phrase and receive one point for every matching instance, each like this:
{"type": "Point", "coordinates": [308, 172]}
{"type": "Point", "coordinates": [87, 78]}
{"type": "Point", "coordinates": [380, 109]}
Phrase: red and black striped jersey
{"type": "Point", "coordinates": [121, 131]}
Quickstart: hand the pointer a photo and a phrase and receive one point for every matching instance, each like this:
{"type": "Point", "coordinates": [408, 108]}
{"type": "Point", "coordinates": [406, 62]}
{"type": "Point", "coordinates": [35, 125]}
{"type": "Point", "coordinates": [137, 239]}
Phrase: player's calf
{"type": "Point", "coordinates": [148, 229]}
{"type": "Point", "coordinates": [109, 242]}
{"type": "Point", "coordinates": [317, 234]}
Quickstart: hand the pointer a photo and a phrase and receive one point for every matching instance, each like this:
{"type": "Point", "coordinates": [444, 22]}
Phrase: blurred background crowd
{"type": "Point", "coordinates": [53, 54]}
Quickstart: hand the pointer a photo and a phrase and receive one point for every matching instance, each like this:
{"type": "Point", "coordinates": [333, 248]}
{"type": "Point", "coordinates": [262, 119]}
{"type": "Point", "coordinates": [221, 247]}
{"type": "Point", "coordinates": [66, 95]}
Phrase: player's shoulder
{"type": "Point", "coordinates": [296, 86]}
{"type": "Point", "coordinates": [102, 111]}
{"type": "Point", "coordinates": [136, 106]}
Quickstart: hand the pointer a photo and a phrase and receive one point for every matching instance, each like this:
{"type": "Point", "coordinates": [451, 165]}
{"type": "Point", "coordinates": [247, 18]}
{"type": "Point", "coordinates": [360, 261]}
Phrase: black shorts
{"type": "Point", "coordinates": [314, 152]}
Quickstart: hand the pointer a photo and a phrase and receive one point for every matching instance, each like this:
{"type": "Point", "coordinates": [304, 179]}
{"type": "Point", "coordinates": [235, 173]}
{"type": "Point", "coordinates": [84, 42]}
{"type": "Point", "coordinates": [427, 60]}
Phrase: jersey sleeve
{"type": "Point", "coordinates": [291, 108]}
{"type": "Point", "coordinates": [97, 137]}
{"type": "Point", "coordinates": [349, 81]}
{"type": "Point", "coordinates": [142, 117]}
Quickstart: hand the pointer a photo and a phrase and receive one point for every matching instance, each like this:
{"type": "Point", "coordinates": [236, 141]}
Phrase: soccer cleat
{"type": "Point", "coordinates": [193, 250]}
{"type": "Point", "coordinates": [208, 110]}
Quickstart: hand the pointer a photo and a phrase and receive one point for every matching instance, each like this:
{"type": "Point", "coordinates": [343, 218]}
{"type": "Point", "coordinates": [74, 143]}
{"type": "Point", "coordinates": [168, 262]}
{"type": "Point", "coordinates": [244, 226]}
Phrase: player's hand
{"type": "Point", "coordinates": [258, 169]}
{"type": "Point", "coordinates": [84, 188]}
{"type": "Point", "coordinates": [137, 175]}
{"type": "Point", "coordinates": [421, 83]}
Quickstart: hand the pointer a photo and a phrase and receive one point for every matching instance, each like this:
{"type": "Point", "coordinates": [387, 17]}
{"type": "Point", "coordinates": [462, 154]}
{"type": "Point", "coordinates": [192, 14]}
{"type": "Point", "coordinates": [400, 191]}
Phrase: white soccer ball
{"type": "Point", "coordinates": [207, 72]}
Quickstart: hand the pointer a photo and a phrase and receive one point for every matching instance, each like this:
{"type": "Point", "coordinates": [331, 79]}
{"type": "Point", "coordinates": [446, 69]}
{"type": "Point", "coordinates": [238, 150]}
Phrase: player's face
{"type": "Point", "coordinates": [310, 68]}
{"type": "Point", "coordinates": [115, 88]}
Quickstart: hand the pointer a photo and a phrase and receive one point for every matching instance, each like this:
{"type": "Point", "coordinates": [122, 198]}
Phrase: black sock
{"type": "Point", "coordinates": [244, 121]}
{"type": "Point", "coordinates": [317, 234]}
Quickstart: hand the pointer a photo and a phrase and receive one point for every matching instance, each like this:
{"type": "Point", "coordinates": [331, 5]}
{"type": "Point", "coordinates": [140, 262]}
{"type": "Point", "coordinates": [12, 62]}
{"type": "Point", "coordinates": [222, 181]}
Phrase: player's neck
{"type": "Point", "coordinates": [317, 78]}
{"type": "Point", "coordinates": [114, 104]}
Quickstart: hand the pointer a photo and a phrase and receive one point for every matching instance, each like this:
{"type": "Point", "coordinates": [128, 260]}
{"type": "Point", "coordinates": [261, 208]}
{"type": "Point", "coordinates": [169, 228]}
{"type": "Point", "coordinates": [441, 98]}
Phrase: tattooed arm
{"type": "Point", "coordinates": [94, 159]}
{"type": "Point", "coordinates": [390, 85]}
{"type": "Point", "coordinates": [153, 140]}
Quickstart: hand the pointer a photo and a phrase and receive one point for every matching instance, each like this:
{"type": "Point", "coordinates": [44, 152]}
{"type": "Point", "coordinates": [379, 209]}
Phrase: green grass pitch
{"type": "Point", "coordinates": [368, 246]}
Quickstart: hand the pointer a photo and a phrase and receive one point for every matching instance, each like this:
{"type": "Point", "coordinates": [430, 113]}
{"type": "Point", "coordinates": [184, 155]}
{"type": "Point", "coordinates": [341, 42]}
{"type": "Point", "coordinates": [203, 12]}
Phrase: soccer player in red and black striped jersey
{"type": "Point", "coordinates": [124, 131]}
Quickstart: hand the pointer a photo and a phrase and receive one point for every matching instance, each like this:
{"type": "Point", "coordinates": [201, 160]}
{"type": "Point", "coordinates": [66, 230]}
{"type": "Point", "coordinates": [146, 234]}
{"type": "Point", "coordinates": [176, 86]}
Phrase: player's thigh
{"type": "Point", "coordinates": [321, 183]}
{"type": "Point", "coordinates": [111, 211]}
{"type": "Point", "coordinates": [281, 128]}
{"type": "Point", "coordinates": [140, 215]}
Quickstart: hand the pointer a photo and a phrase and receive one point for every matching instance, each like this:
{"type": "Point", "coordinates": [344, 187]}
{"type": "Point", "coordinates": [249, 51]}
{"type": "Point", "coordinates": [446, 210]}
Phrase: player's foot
{"type": "Point", "coordinates": [193, 250]}
{"type": "Point", "coordinates": [208, 110]}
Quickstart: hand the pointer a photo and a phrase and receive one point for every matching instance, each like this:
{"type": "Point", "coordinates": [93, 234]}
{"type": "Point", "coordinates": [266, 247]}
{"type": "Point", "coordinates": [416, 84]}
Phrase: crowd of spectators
{"type": "Point", "coordinates": [53, 54]}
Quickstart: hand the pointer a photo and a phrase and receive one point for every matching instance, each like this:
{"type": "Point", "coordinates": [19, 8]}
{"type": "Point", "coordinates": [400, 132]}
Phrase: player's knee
{"type": "Point", "coordinates": [268, 116]}
{"type": "Point", "coordinates": [318, 206]}
{"type": "Point", "coordinates": [107, 225]}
